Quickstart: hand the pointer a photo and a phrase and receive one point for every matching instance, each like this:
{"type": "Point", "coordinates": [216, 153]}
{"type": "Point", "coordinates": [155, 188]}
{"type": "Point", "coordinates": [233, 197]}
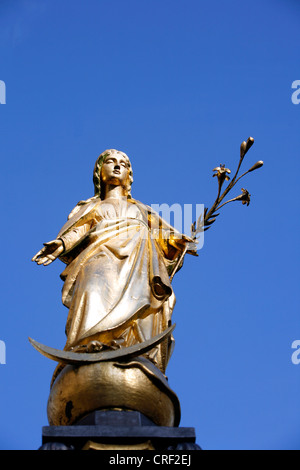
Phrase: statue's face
{"type": "Point", "coordinates": [115, 170]}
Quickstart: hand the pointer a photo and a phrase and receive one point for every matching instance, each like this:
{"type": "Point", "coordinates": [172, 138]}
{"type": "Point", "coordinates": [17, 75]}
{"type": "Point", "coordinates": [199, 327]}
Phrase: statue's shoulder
{"type": "Point", "coordinates": [81, 209]}
{"type": "Point", "coordinates": [141, 205]}
{"type": "Point", "coordinates": [84, 204]}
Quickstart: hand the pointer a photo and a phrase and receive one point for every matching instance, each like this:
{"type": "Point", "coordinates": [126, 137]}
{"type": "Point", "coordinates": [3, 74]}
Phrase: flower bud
{"type": "Point", "coordinates": [256, 165]}
{"type": "Point", "coordinates": [243, 149]}
{"type": "Point", "coordinates": [249, 143]}
{"type": "Point", "coordinates": [245, 146]}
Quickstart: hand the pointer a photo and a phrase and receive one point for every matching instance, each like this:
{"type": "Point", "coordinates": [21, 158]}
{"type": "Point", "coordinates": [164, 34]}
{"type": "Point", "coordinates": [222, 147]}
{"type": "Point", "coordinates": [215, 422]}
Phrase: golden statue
{"type": "Point", "coordinates": [119, 255]}
{"type": "Point", "coordinates": [120, 258]}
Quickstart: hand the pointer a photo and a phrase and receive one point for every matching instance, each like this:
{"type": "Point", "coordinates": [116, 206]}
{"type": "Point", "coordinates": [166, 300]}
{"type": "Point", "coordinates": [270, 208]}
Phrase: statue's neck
{"type": "Point", "coordinates": [112, 191]}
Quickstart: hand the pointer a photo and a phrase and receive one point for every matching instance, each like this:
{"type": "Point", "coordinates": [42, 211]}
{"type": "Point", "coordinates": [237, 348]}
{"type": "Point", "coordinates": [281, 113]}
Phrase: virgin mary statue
{"type": "Point", "coordinates": [119, 256]}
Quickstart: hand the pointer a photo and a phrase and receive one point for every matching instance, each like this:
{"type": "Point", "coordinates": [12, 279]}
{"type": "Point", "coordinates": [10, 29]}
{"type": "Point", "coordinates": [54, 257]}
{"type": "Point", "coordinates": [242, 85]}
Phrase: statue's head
{"type": "Point", "coordinates": [98, 173]}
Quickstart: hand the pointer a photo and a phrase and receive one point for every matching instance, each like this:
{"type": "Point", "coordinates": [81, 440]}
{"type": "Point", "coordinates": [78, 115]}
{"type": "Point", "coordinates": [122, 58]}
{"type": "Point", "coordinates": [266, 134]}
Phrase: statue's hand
{"type": "Point", "coordinates": [183, 242]}
{"type": "Point", "coordinates": [179, 241]}
{"type": "Point", "coordinates": [49, 253]}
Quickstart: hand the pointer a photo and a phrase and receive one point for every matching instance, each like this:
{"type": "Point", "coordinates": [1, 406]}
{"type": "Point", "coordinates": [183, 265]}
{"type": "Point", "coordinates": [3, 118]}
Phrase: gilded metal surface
{"type": "Point", "coordinates": [91, 445]}
{"type": "Point", "coordinates": [119, 254]}
{"type": "Point", "coordinates": [121, 257]}
{"type": "Point", "coordinates": [135, 385]}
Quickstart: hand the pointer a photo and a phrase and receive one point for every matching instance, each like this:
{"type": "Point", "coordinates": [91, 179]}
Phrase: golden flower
{"type": "Point", "coordinates": [221, 173]}
{"type": "Point", "coordinates": [245, 197]}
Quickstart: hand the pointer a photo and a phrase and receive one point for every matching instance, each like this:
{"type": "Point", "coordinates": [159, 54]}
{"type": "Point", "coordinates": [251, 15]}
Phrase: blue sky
{"type": "Point", "coordinates": [177, 86]}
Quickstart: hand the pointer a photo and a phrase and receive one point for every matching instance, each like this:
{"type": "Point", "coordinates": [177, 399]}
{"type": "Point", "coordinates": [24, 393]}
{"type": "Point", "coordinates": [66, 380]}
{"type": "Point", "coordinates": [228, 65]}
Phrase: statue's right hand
{"type": "Point", "coordinates": [49, 253]}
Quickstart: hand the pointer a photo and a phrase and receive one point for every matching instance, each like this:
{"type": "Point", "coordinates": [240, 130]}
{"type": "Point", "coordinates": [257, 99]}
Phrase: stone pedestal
{"type": "Point", "coordinates": [119, 430]}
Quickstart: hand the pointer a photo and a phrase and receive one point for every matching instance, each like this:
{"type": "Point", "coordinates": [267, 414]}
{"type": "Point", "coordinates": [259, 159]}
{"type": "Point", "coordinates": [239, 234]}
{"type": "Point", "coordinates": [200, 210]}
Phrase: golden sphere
{"type": "Point", "coordinates": [137, 385]}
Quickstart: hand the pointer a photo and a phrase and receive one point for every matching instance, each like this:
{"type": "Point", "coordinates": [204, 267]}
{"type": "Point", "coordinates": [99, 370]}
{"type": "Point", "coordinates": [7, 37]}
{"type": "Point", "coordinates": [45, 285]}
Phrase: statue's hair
{"type": "Point", "coordinates": [97, 172]}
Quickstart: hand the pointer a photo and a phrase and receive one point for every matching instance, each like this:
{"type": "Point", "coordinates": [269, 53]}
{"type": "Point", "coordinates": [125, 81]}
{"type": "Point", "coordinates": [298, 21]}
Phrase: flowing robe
{"type": "Point", "coordinates": [119, 254]}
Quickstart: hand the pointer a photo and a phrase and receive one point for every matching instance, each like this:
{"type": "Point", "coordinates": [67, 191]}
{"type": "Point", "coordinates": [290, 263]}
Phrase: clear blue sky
{"type": "Point", "coordinates": [177, 86]}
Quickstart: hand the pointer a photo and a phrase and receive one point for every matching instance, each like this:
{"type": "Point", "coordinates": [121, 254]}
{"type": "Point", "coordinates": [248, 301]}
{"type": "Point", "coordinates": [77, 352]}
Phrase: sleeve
{"type": "Point", "coordinates": [82, 218]}
{"type": "Point", "coordinates": [70, 238]}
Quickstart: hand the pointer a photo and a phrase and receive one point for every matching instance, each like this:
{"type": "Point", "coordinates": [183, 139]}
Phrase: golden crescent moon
{"type": "Point", "coordinates": [69, 357]}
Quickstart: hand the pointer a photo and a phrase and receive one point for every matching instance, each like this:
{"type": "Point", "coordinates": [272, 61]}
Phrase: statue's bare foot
{"type": "Point", "coordinates": [95, 346]}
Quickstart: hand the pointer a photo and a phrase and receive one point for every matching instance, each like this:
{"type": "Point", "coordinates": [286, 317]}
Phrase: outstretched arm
{"type": "Point", "coordinates": [49, 253]}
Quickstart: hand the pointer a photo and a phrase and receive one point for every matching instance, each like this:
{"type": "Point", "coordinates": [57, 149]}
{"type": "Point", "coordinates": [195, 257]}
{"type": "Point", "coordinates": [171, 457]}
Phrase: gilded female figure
{"type": "Point", "coordinates": [119, 255]}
